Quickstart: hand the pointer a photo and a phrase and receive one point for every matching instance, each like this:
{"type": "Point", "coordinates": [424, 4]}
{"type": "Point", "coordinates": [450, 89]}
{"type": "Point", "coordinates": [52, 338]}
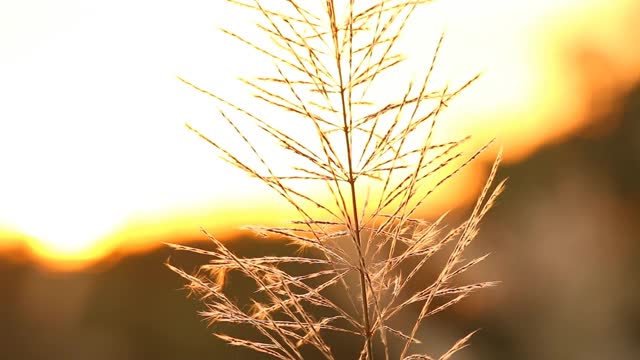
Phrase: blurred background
{"type": "Point", "coordinates": [97, 171]}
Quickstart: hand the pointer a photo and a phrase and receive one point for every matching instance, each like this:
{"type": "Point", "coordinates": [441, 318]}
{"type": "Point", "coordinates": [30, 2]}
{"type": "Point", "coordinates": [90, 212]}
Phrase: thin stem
{"type": "Point", "coordinates": [355, 227]}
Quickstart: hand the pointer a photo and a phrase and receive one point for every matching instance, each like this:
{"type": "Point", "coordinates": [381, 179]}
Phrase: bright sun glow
{"type": "Point", "coordinates": [94, 154]}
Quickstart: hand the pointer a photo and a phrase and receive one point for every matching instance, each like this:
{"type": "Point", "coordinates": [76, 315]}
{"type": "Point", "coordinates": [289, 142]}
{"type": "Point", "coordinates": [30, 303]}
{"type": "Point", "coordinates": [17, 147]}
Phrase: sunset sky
{"type": "Point", "coordinates": [95, 157]}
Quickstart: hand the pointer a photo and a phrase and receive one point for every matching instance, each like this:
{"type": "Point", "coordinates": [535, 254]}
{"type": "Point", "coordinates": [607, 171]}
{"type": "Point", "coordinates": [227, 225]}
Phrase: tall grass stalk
{"type": "Point", "coordinates": [362, 249]}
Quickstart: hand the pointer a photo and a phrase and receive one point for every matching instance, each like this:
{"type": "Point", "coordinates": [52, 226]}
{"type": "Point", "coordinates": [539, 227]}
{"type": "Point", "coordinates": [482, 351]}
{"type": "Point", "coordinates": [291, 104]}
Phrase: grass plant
{"type": "Point", "coordinates": [360, 245]}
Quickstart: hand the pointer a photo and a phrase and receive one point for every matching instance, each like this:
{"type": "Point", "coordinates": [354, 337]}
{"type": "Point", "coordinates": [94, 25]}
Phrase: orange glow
{"type": "Point", "coordinates": [95, 159]}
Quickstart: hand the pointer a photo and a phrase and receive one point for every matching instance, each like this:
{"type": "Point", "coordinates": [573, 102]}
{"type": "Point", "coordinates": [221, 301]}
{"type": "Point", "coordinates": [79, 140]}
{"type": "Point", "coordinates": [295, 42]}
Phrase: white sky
{"type": "Point", "coordinates": [91, 112]}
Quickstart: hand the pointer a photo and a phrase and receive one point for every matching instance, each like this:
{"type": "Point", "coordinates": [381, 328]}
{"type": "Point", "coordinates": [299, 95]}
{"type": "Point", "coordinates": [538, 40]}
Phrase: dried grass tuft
{"type": "Point", "coordinates": [362, 245]}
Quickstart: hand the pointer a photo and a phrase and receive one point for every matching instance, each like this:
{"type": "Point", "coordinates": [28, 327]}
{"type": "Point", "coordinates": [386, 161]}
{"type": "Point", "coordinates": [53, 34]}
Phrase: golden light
{"type": "Point", "coordinates": [93, 152]}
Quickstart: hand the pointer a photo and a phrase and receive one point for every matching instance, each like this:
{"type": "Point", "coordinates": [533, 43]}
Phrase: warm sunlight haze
{"type": "Point", "coordinates": [95, 158]}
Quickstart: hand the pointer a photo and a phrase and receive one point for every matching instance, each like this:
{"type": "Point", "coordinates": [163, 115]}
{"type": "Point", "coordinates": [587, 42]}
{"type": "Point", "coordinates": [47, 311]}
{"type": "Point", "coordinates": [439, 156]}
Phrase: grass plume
{"type": "Point", "coordinates": [361, 244]}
